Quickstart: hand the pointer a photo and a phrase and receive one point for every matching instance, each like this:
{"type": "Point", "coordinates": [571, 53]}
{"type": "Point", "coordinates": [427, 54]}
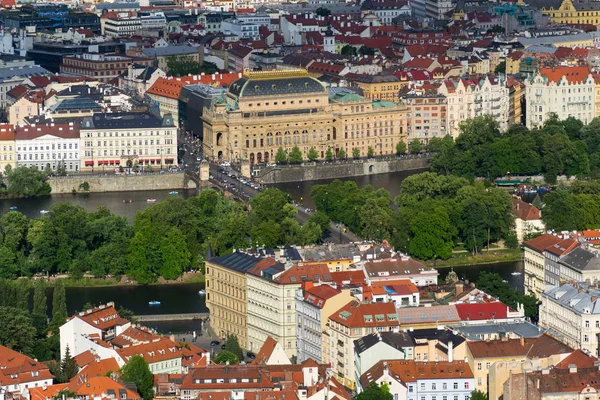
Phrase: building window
{"type": "Point", "coordinates": [478, 366]}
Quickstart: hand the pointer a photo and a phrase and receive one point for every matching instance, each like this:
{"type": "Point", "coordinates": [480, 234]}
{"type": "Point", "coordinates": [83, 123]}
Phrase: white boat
{"type": "Point", "coordinates": [201, 292]}
{"type": "Point", "coordinates": [173, 193]}
{"type": "Point", "coordinates": [13, 208]}
{"type": "Point", "coordinates": [154, 303]}
{"type": "Point", "coordinates": [515, 273]}
{"type": "Point", "coordinates": [151, 200]}
{"type": "Point", "coordinates": [44, 212]}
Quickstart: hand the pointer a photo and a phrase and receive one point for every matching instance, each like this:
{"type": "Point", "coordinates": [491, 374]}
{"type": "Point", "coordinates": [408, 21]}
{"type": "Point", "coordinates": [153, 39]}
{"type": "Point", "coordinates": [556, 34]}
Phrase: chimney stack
{"type": "Point", "coordinates": [450, 351]}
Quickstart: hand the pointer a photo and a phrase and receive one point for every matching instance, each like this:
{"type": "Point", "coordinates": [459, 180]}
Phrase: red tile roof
{"type": "Point", "coordinates": [542, 242]}
{"type": "Point", "coordinates": [482, 311]}
{"type": "Point", "coordinates": [101, 318]}
{"type": "Point", "coordinates": [265, 351]}
{"type": "Point", "coordinates": [356, 314]}
{"type": "Point", "coordinates": [300, 273]}
{"type": "Point", "coordinates": [578, 358]}
{"type": "Point", "coordinates": [318, 295]}
{"type": "Point", "coordinates": [98, 368]}
{"type": "Point", "coordinates": [84, 358]}
{"type": "Point", "coordinates": [411, 371]}
{"type": "Point", "coordinates": [17, 368]}
{"type": "Point", "coordinates": [7, 132]}
{"type": "Point", "coordinates": [171, 87]}
{"type": "Point", "coordinates": [525, 211]}
{"type": "Point", "coordinates": [563, 247]}
{"type": "Point", "coordinates": [571, 74]}
{"type": "Point", "coordinates": [540, 347]}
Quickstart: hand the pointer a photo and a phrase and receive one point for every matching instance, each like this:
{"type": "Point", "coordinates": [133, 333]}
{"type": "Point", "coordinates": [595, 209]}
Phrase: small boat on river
{"type": "Point", "coordinates": [44, 212]}
{"type": "Point", "coordinates": [202, 292]}
{"type": "Point", "coordinates": [172, 193]}
{"type": "Point", "coordinates": [151, 200]}
{"type": "Point", "coordinates": [516, 273]}
{"type": "Point", "coordinates": [127, 201]}
{"type": "Point", "coordinates": [154, 303]}
{"type": "Point", "coordinates": [13, 208]}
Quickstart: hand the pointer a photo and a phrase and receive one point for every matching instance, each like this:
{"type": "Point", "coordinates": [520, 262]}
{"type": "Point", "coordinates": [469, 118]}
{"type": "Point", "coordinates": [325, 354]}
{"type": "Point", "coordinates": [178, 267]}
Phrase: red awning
{"type": "Point", "coordinates": [117, 162]}
{"type": "Point", "coordinates": [89, 163]}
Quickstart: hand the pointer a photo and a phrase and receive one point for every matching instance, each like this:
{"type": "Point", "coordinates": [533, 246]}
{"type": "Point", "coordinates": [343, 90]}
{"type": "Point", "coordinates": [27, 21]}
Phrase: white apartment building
{"type": "Point", "coordinates": [126, 25]}
{"type": "Point", "coordinates": [351, 322]}
{"type": "Point", "coordinates": [564, 91]}
{"type": "Point", "coordinates": [54, 144]}
{"type": "Point", "coordinates": [580, 265]}
{"type": "Point", "coordinates": [368, 351]}
{"type": "Point", "coordinates": [18, 373]}
{"type": "Point", "coordinates": [314, 305]}
{"type": "Point", "coordinates": [471, 98]}
{"type": "Point", "coordinates": [272, 302]}
{"type": "Point", "coordinates": [243, 30]}
{"type": "Point", "coordinates": [253, 18]}
{"type": "Point", "coordinates": [534, 261]}
{"type": "Point", "coordinates": [413, 380]}
{"type": "Point", "coordinates": [572, 311]}
{"type": "Point", "coordinates": [126, 139]}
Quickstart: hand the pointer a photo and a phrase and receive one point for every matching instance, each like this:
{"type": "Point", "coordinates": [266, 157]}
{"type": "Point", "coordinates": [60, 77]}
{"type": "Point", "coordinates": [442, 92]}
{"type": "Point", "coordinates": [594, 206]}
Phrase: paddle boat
{"type": "Point", "coordinates": [154, 303]}
{"type": "Point", "coordinates": [201, 292]}
{"type": "Point", "coordinates": [13, 208]}
{"type": "Point", "coordinates": [44, 212]}
{"type": "Point", "coordinates": [515, 273]}
{"type": "Point", "coordinates": [172, 193]}
{"type": "Point", "coordinates": [127, 201]}
{"type": "Point", "coordinates": [151, 200]}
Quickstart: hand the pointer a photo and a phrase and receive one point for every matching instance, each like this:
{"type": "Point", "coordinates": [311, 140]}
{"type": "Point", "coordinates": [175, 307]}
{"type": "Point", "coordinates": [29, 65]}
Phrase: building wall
{"type": "Point", "coordinates": [271, 312]}
{"type": "Point", "coordinates": [481, 368]}
{"type": "Point", "coordinates": [48, 149]}
{"type": "Point", "coordinates": [226, 298]}
{"type": "Point", "coordinates": [21, 109]}
{"type": "Point", "coordinates": [365, 360]}
{"type": "Point", "coordinates": [564, 100]}
{"type": "Point", "coordinates": [426, 117]}
{"type": "Point", "coordinates": [8, 155]}
{"type": "Point", "coordinates": [172, 366]}
{"type": "Point", "coordinates": [534, 272]}
{"type": "Point", "coordinates": [121, 183]}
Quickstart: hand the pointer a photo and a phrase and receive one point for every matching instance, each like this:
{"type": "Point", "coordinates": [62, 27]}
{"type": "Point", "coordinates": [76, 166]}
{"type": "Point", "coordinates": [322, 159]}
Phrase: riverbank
{"type": "Point", "coordinates": [492, 257]}
{"type": "Point", "coordinates": [120, 183]}
{"type": "Point", "coordinates": [188, 277]}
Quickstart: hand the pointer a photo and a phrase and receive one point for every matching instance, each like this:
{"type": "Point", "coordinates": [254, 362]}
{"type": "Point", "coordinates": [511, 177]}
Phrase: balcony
{"type": "Point", "coordinates": [340, 343]}
{"type": "Point", "coordinates": [478, 101]}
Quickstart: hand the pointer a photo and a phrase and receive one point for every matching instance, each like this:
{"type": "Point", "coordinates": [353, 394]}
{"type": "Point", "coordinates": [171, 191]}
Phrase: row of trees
{"type": "Point", "coordinates": [165, 239]}
{"type": "Point", "coordinates": [557, 148]}
{"type": "Point", "coordinates": [434, 213]}
{"type": "Point", "coordinates": [492, 284]}
{"type": "Point", "coordinates": [573, 207]}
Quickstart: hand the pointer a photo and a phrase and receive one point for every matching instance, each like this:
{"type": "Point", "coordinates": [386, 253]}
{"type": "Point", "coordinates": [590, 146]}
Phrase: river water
{"type": "Point", "coordinates": [184, 298]}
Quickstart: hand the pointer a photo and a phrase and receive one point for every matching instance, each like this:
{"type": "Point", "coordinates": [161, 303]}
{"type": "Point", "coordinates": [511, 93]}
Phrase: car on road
{"type": "Point", "coordinates": [251, 355]}
{"type": "Point", "coordinates": [215, 343]}
{"type": "Point", "coordinates": [222, 347]}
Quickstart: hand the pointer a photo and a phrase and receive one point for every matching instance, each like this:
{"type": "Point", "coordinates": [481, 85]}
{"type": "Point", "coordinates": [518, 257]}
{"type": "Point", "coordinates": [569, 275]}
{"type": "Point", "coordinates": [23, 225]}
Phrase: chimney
{"type": "Point", "coordinates": [522, 341]}
{"type": "Point", "coordinates": [459, 287]}
{"type": "Point", "coordinates": [537, 383]}
{"type": "Point", "coordinates": [450, 351]}
{"type": "Point", "coordinates": [308, 284]}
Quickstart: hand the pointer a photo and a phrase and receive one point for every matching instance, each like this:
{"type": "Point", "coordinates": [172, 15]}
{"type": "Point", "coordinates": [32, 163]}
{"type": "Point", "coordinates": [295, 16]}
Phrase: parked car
{"type": "Point", "coordinates": [251, 355]}
{"type": "Point", "coordinates": [215, 343]}
{"type": "Point", "coordinates": [222, 347]}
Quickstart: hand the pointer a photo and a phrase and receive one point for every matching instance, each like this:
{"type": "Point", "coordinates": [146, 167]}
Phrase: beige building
{"type": "Point", "coordinates": [349, 323]}
{"type": "Point", "coordinates": [7, 147]}
{"type": "Point", "coordinates": [272, 302]}
{"type": "Point", "coordinates": [534, 263]}
{"type": "Point", "coordinates": [564, 91]}
{"type": "Point", "coordinates": [126, 139]}
{"type": "Point", "coordinates": [227, 293]}
{"type": "Point", "coordinates": [265, 111]}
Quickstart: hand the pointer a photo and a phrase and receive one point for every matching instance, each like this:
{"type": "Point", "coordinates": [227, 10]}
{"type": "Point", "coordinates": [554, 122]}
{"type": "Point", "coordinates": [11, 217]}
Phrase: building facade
{"type": "Point", "coordinates": [534, 261]}
{"type": "Point", "coordinates": [8, 155]}
{"type": "Point", "coordinates": [53, 144]}
{"type": "Point", "coordinates": [314, 305]}
{"type": "Point", "coordinates": [426, 117]}
{"type": "Point", "coordinates": [102, 67]}
{"type": "Point", "coordinates": [564, 91]}
{"type": "Point", "coordinates": [265, 111]}
{"type": "Point", "coordinates": [127, 139]}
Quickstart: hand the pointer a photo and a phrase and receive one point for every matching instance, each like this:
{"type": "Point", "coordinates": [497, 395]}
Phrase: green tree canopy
{"type": "Point", "coordinates": [226, 357]}
{"type": "Point", "coordinates": [415, 146]}
{"type": "Point", "coordinates": [375, 392]}
{"type": "Point", "coordinates": [281, 156]}
{"type": "Point", "coordinates": [232, 345]}
{"type": "Point", "coordinates": [295, 156]}
{"type": "Point", "coordinates": [370, 152]}
{"type": "Point", "coordinates": [342, 154]}
{"type": "Point", "coordinates": [18, 332]}
{"type": "Point", "coordinates": [313, 155]}
{"type": "Point", "coordinates": [137, 371]}
{"type": "Point", "coordinates": [401, 148]}
{"type": "Point", "coordinates": [348, 50]}
{"type": "Point", "coordinates": [27, 182]}
{"type": "Point", "coordinates": [323, 12]}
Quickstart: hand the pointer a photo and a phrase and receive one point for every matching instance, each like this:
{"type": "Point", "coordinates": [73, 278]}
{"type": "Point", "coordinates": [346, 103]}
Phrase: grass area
{"type": "Point", "coordinates": [493, 256]}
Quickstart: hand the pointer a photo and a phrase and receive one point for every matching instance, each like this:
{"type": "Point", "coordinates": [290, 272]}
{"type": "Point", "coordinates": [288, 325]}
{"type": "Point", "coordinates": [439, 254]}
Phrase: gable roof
{"type": "Point", "coordinates": [482, 311]}
{"type": "Point", "coordinates": [525, 211]}
{"type": "Point", "coordinates": [542, 242]}
{"type": "Point", "coordinates": [397, 340]}
{"type": "Point", "coordinates": [355, 314]}
{"type": "Point", "coordinates": [571, 74]}
{"type": "Point", "coordinates": [532, 348]}
{"type": "Point", "coordinates": [265, 351]}
{"type": "Point", "coordinates": [17, 368]}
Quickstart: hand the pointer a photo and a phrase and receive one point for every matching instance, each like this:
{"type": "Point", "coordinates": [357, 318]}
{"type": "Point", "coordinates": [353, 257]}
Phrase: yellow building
{"type": "Point", "coordinates": [265, 111]}
{"type": "Point", "coordinates": [380, 87]}
{"type": "Point", "coordinates": [7, 147]}
{"type": "Point", "coordinates": [574, 12]}
{"type": "Point", "coordinates": [226, 294]}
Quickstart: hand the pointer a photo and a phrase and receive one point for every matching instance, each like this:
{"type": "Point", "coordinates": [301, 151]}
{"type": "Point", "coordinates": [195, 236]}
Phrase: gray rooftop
{"type": "Point", "coordinates": [126, 121]}
{"type": "Point", "coordinates": [325, 253]}
{"type": "Point", "coordinates": [117, 6]}
{"type": "Point", "coordinates": [237, 261]}
{"type": "Point", "coordinates": [582, 259]}
{"type": "Point", "coordinates": [81, 103]}
{"type": "Point", "coordinates": [580, 298]}
{"type": "Point", "coordinates": [554, 40]}
{"type": "Point", "coordinates": [170, 51]}
{"type": "Point", "coordinates": [397, 340]}
{"type": "Point", "coordinates": [7, 74]}
{"type": "Point", "coordinates": [503, 329]}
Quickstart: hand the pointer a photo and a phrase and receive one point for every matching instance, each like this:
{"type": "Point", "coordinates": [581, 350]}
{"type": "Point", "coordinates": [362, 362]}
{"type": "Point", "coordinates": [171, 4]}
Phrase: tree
{"type": "Point", "coordinates": [320, 218]}
{"type": "Point", "coordinates": [68, 367]}
{"type": "Point", "coordinates": [40, 308]}
{"type": "Point", "coordinates": [175, 254]}
{"type": "Point", "coordinates": [356, 152]}
{"type": "Point", "coordinates": [281, 156]}
{"type": "Point", "coordinates": [500, 68]}
{"type": "Point", "coordinates": [137, 371]}
{"type": "Point", "coordinates": [295, 156]}
{"type": "Point", "coordinates": [226, 357]}
{"type": "Point", "coordinates": [59, 305]}
{"type": "Point", "coordinates": [348, 50]}
{"type": "Point", "coordinates": [323, 12]}
{"type": "Point", "coordinates": [366, 51]}
{"type": "Point", "coordinates": [233, 346]}
{"type": "Point", "coordinates": [18, 332]}
{"type": "Point", "coordinates": [511, 240]}
{"type": "Point", "coordinates": [432, 234]}
{"type": "Point", "coordinates": [370, 152]}
{"type": "Point", "coordinates": [415, 146]}
{"type": "Point", "coordinates": [329, 154]}
{"type": "Point", "coordinates": [27, 182]}
{"type": "Point", "coordinates": [313, 155]}
{"type": "Point", "coordinates": [478, 395]}
{"type": "Point", "coordinates": [48, 169]}
{"type": "Point", "coordinates": [400, 148]}
{"type": "Point", "coordinates": [127, 314]}
{"type": "Point", "coordinates": [182, 66]}
{"type": "Point", "coordinates": [375, 392]}
{"type": "Point", "coordinates": [342, 154]}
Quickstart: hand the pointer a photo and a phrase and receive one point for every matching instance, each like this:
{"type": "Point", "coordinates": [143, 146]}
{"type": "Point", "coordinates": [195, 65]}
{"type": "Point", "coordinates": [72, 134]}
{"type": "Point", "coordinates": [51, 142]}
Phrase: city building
{"type": "Point", "coordinates": [314, 305]}
{"type": "Point", "coordinates": [102, 323]}
{"type": "Point", "coordinates": [427, 317]}
{"type": "Point", "coordinates": [378, 87]}
{"type": "Point", "coordinates": [126, 139]}
{"type": "Point", "coordinates": [402, 267]}
{"type": "Point", "coordinates": [102, 67]}
{"type": "Point", "coordinates": [272, 301]}
{"type": "Point", "coordinates": [426, 116]}
{"type": "Point", "coordinates": [564, 91]}
{"type": "Point", "coordinates": [8, 154]}
{"type": "Point", "coordinates": [436, 344]}
{"type": "Point", "coordinates": [553, 270]}
{"type": "Point", "coordinates": [351, 322]}
{"type": "Point", "coordinates": [528, 219]}
{"type": "Point", "coordinates": [51, 144]}
{"type": "Point", "coordinates": [164, 54]}
{"type": "Point", "coordinates": [369, 349]}
{"type": "Point", "coordinates": [139, 78]}
{"type": "Point", "coordinates": [534, 263]}
{"type": "Point", "coordinates": [12, 77]}
{"type": "Point", "coordinates": [124, 24]}
{"type": "Point", "coordinates": [271, 353]}
{"type": "Point", "coordinates": [265, 111]}
{"type": "Point", "coordinates": [580, 265]}
{"type": "Point", "coordinates": [414, 380]}
{"type": "Point", "coordinates": [241, 29]}
{"type": "Point", "coordinates": [227, 293]}
{"type": "Point", "coordinates": [482, 354]}
{"type": "Point", "coordinates": [86, 388]}
{"type": "Point", "coordinates": [570, 311]}
{"type": "Point", "coordinates": [573, 12]}
{"type": "Point", "coordinates": [18, 373]}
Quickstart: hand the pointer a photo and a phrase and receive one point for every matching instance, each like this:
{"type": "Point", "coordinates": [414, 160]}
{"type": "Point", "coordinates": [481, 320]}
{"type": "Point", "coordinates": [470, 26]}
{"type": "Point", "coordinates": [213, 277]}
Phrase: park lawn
{"type": "Point", "coordinates": [493, 256]}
